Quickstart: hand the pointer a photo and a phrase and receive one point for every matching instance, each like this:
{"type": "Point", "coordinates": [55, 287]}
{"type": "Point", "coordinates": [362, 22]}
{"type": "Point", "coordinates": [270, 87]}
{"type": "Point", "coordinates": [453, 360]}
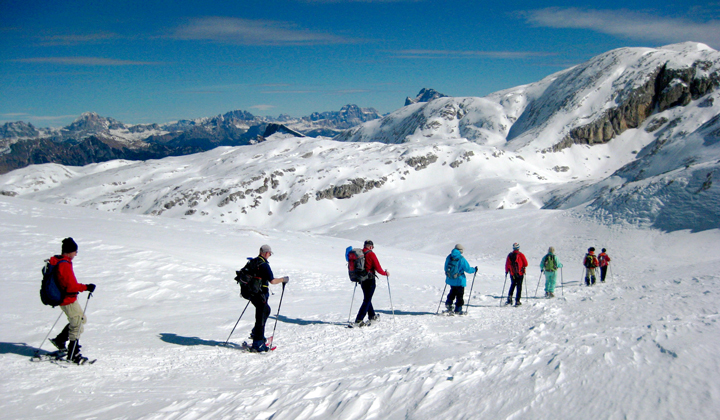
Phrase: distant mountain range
{"type": "Point", "coordinates": [93, 138]}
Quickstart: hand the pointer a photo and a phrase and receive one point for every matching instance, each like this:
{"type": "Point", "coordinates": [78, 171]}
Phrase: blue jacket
{"type": "Point", "coordinates": [463, 267]}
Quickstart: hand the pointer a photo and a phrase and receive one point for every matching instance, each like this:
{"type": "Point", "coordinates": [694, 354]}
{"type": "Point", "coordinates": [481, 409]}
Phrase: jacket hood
{"type": "Point", "coordinates": [455, 254]}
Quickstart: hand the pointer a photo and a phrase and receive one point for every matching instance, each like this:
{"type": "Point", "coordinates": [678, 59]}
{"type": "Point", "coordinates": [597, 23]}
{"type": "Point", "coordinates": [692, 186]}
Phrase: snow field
{"type": "Point", "coordinates": [640, 346]}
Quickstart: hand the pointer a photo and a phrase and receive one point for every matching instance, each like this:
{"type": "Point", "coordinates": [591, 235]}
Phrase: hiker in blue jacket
{"type": "Point", "coordinates": [455, 268]}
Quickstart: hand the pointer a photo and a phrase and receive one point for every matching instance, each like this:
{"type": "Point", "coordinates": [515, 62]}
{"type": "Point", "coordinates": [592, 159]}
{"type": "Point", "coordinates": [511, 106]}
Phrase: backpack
{"type": "Point", "coordinates": [514, 264]}
{"type": "Point", "coordinates": [356, 265]}
{"type": "Point", "coordinates": [550, 263]}
{"type": "Point", "coordinates": [248, 279]}
{"type": "Point", "coordinates": [452, 268]}
{"type": "Point", "coordinates": [50, 292]}
{"type": "Point", "coordinates": [591, 261]}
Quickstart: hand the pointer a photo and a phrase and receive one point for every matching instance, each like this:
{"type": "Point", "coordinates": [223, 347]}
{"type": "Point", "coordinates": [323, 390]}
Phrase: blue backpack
{"type": "Point", "coordinates": [50, 292]}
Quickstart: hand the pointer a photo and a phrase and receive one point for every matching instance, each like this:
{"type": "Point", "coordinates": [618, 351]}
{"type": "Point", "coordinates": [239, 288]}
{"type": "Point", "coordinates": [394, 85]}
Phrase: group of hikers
{"type": "Point", "coordinates": [516, 264]}
{"type": "Point", "coordinates": [363, 267]}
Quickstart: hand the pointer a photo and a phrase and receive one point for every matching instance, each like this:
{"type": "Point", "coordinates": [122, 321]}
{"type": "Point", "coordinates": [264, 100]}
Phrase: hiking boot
{"type": "Point", "coordinates": [458, 310]}
{"type": "Point", "coordinates": [359, 324]}
{"type": "Point", "coordinates": [547, 294]}
{"type": "Point", "coordinates": [448, 307]}
{"type": "Point", "coordinates": [74, 353]}
{"type": "Point", "coordinates": [518, 303]}
{"type": "Point", "coordinates": [552, 295]}
{"type": "Point", "coordinates": [60, 345]}
{"type": "Point", "coordinates": [375, 318]}
{"type": "Point", "coordinates": [259, 346]}
{"type": "Point", "coordinates": [509, 302]}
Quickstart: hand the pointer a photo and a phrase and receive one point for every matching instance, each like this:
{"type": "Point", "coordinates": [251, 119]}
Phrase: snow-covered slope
{"type": "Point", "coordinates": [285, 182]}
{"type": "Point", "coordinates": [642, 346]}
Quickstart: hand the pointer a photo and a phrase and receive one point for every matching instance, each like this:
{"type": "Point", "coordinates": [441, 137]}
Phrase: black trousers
{"type": "Point", "coordinates": [262, 312]}
{"type": "Point", "coordinates": [457, 293]}
{"type": "Point", "coordinates": [603, 272]}
{"type": "Point", "coordinates": [368, 288]}
{"type": "Point", "coordinates": [516, 281]}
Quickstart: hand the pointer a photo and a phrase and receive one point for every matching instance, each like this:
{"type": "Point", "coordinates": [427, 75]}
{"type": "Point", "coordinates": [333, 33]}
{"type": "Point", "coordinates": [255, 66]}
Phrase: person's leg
{"type": "Point", "coordinates": [368, 288]}
{"type": "Point", "coordinates": [450, 298]}
{"type": "Point", "coordinates": [519, 283]}
{"type": "Point", "coordinates": [262, 310]}
{"type": "Point", "coordinates": [459, 298]}
{"type": "Point", "coordinates": [550, 278]}
{"type": "Point", "coordinates": [76, 320]}
{"type": "Point", "coordinates": [513, 284]}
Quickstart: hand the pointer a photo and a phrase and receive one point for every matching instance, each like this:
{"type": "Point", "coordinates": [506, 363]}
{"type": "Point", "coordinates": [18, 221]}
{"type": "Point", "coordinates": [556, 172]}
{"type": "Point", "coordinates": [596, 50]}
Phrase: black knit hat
{"type": "Point", "coordinates": [69, 246]}
{"type": "Point", "coordinates": [369, 242]}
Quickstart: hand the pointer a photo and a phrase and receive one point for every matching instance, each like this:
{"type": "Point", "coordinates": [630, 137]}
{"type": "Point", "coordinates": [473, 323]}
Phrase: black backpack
{"type": "Point", "coordinates": [514, 264]}
{"type": "Point", "coordinates": [249, 280]}
{"type": "Point", "coordinates": [50, 292]}
{"type": "Point", "coordinates": [356, 265]}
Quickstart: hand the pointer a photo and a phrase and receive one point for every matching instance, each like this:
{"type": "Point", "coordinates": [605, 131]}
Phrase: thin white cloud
{"type": "Point", "coordinates": [627, 24]}
{"type": "Point", "coordinates": [363, 1]}
{"type": "Point", "coordinates": [445, 54]}
{"type": "Point", "coordinates": [77, 39]}
{"type": "Point", "coordinates": [262, 107]}
{"type": "Point", "coordinates": [251, 32]}
{"type": "Point", "coordinates": [84, 61]}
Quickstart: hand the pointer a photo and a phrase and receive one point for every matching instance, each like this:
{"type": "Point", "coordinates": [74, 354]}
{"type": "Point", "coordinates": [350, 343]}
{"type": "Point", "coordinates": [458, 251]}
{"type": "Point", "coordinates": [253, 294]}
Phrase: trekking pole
{"type": "Point", "coordinates": [276, 316]}
{"type": "Point", "coordinates": [37, 352]}
{"type": "Point", "coordinates": [611, 272]}
{"type": "Point", "coordinates": [441, 298]}
{"type": "Point", "coordinates": [582, 276]}
{"type": "Point", "coordinates": [562, 283]}
{"type": "Point", "coordinates": [538, 285]}
{"type": "Point", "coordinates": [351, 302]}
{"type": "Point", "coordinates": [502, 294]}
{"type": "Point", "coordinates": [236, 324]}
{"type": "Point", "coordinates": [527, 294]}
{"type": "Point", "coordinates": [391, 304]}
{"type": "Point", "coordinates": [470, 296]}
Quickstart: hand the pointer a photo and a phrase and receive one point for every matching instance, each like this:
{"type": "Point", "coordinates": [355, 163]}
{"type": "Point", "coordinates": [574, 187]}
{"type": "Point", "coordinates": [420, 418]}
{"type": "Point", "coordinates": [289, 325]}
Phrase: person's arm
{"type": "Point", "coordinates": [280, 280]}
{"type": "Point", "coordinates": [374, 263]}
{"type": "Point", "coordinates": [68, 280]}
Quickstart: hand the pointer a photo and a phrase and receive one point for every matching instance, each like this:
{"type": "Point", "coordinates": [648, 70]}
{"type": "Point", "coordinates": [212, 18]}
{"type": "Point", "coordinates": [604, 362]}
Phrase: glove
{"type": "Point", "coordinates": [286, 279]}
{"type": "Point", "coordinates": [90, 287]}
{"type": "Point", "coordinates": [476, 268]}
{"type": "Point", "coordinates": [387, 273]}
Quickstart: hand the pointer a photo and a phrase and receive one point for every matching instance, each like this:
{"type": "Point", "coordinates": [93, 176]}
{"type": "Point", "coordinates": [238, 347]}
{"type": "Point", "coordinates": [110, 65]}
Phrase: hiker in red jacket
{"type": "Point", "coordinates": [515, 264]}
{"type": "Point", "coordinates": [372, 265]}
{"type": "Point", "coordinates": [603, 260]}
{"type": "Point", "coordinates": [72, 309]}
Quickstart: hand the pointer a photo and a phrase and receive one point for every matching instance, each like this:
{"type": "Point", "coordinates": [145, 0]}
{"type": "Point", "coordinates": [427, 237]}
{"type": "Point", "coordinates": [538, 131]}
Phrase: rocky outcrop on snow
{"type": "Point", "coordinates": [425, 95]}
{"type": "Point", "coordinates": [273, 128]}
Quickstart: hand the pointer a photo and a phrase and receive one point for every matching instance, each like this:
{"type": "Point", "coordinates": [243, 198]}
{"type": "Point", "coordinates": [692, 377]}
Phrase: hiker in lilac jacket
{"type": "Point", "coordinates": [455, 268]}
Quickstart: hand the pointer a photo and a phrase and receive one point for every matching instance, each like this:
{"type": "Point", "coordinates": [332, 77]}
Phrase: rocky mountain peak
{"type": "Point", "coordinates": [425, 95]}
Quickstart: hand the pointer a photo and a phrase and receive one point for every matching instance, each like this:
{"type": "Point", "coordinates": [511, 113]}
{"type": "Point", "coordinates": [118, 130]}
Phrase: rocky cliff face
{"type": "Point", "coordinates": [665, 89]}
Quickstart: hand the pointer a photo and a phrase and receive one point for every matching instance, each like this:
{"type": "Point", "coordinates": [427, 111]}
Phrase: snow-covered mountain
{"type": "Point", "coordinates": [505, 151]}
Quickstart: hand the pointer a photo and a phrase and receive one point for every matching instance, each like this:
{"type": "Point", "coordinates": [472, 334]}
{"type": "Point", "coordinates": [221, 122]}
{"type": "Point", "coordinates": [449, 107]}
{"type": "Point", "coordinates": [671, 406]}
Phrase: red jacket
{"type": "Point", "coordinates": [66, 280]}
{"type": "Point", "coordinates": [371, 263]}
{"type": "Point", "coordinates": [604, 259]}
{"type": "Point", "coordinates": [521, 262]}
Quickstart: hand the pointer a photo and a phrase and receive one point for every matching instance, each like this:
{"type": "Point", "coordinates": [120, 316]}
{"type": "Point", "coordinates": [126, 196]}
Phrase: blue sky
{"type": "Point", "coordinates": [164, 60]}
